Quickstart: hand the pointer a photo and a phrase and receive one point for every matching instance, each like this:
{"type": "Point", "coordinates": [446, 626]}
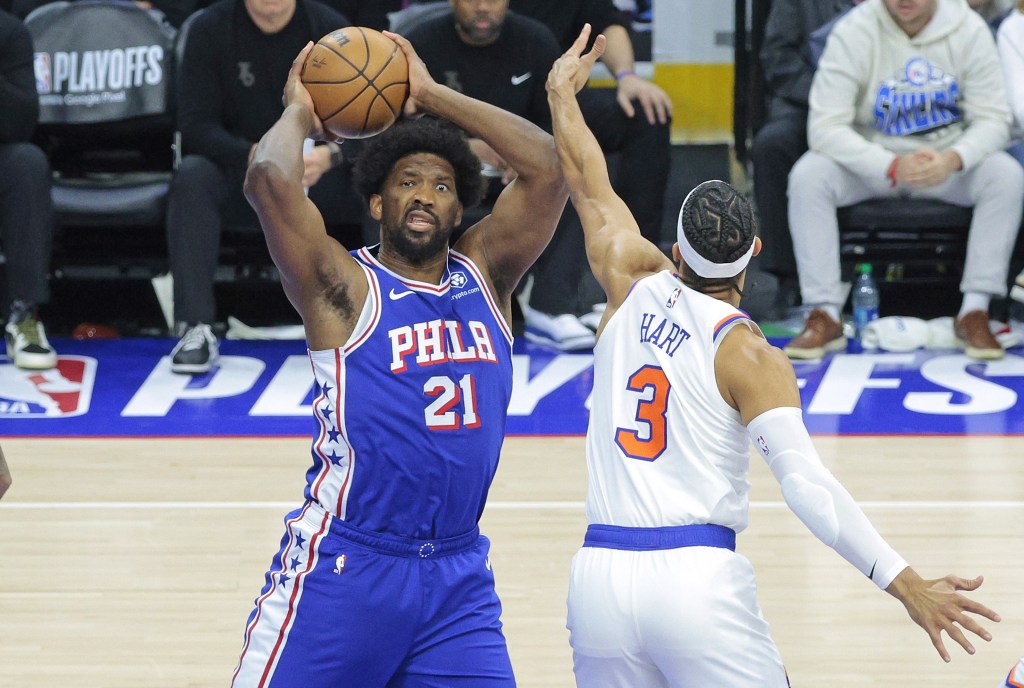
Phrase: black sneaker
{"type": "Point", "coordinates": [196, 352]}
{"type": "Point", "coordinates": [26, 340]}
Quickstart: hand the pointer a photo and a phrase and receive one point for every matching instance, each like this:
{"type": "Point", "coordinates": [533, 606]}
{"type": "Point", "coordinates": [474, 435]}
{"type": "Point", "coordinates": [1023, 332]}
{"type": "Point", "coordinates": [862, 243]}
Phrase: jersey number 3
{"type": "Point", "coordinates": [652, 382]}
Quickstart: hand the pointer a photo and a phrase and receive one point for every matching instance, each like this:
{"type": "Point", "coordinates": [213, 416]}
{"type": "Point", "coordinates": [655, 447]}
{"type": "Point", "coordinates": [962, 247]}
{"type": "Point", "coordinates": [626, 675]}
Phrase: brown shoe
{"type": "Point", "coordinates": [821, 333]}
{"type": "Point", "coordinates": [972, 329]}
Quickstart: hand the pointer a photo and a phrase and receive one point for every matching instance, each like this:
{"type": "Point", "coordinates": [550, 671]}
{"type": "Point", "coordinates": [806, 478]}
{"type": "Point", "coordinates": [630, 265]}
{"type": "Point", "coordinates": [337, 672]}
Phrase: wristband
{"type": "Point", "coordinates": [891, 174]}
{"type": "Point", "coordinates": [624, 72]}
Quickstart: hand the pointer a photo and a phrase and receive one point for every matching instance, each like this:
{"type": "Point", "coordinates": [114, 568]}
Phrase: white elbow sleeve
{"type": "Point", "coordinates": [817, 498]}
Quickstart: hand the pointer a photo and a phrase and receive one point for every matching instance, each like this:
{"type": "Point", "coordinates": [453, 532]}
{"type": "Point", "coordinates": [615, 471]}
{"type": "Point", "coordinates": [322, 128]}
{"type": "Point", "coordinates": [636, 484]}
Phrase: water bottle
{"type": "Point", "coordinates": [865, 299]}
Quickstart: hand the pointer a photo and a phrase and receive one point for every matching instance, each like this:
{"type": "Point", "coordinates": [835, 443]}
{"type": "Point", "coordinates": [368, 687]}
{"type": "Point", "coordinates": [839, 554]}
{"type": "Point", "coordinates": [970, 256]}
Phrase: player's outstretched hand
{"type": "Point", "coordinates": [573, 67]}
{"type": "Point", "coordinates": [295, 92]}
{"type": "Point", "coordinates": [420, 81]}
{"type": "Point", "coordinates": [937, 605]}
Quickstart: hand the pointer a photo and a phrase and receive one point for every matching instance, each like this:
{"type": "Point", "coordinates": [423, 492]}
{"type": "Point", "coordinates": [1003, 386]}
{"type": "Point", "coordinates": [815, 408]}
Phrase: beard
{"type": "Point", "coordinates": [417, 247]}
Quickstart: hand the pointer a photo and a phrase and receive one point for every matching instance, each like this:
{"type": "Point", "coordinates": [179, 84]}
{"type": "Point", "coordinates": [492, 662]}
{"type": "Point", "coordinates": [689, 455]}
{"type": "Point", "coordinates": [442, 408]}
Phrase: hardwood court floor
{"type": "Point", "coordinates": [134, 563]}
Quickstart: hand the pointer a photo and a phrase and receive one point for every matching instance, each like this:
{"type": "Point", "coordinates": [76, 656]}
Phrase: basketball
{"type": "Point", "coordinates": [358, 79]}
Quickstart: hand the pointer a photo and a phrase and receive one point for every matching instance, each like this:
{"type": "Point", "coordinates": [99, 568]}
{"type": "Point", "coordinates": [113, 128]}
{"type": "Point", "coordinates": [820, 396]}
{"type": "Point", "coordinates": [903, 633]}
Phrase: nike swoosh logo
{"type": "Point", "coordinates": [399, 295]}
{"type": "Point", "coordinates": [516, 80]}
{"type": "Point", "coordinates": [872, 574]}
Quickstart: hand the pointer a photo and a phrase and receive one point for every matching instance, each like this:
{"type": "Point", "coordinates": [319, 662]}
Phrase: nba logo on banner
{"type": "Point", "coordinates": [61, 392]}
{"type": "Point", "coordinates": [44, 75]}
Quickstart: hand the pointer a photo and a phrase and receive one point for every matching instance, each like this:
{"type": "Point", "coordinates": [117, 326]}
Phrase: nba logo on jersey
{"type": "Point", "coordinates": [61, 392]}
{"type": "Point", "coordinates": [44, 77]}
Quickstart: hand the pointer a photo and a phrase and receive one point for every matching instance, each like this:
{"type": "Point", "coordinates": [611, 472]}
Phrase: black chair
{"type": "Point", "coordinates": [104, 72]}
{"type": "Point", "coordinates": [915, 241]}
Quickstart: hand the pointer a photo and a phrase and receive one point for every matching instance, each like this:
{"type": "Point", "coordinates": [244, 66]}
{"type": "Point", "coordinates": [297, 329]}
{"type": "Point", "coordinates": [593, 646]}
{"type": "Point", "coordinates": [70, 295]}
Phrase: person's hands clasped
{"type": "Point", "coordinates": [420, 81]}
{"type": "Point", "coordinates": [937, 605]}
{"type": "Point", "coordinates": [655, 103]}
{"type": "Point", "coordinates": [573, 68]}
{"type": "Point", "coordinates": [926, 168]}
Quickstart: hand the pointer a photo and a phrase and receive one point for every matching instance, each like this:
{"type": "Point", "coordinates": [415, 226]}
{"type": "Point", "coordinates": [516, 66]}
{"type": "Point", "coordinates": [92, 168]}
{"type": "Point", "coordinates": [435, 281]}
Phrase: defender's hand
{"type": "Point", "coordinates": [937, 605]}
{"type": "Point", "coordinates": [573, 68]}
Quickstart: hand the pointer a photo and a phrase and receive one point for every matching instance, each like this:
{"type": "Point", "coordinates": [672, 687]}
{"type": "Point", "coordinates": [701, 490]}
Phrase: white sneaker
{"type": "Point", "coordinates": [563, 332]}
{"type": "Point", "coordinates": [592, 320]}
{"type": "Point", "coordinates": [27, 345]}
{"type": "Point", "coordinates": [1017, 291]}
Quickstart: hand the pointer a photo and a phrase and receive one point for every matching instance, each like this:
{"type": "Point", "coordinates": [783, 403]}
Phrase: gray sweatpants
{"type": "Point", "coordinates": [818, 186]}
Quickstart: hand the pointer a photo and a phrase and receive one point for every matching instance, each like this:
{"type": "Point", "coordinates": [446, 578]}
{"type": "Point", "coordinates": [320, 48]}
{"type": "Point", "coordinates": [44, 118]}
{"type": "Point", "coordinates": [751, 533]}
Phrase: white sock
{"type": "Point", "coordinates": [833, 311]}
{"type": "Point", "coordinates": [974, 301]}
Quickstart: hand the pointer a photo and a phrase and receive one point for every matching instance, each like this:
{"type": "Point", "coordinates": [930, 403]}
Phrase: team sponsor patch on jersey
{"type": "Point", "coordinates": [64, 391]}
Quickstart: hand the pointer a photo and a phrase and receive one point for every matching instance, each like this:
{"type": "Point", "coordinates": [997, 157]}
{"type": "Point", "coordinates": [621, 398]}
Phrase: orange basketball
{"type": "Point", "coordinates": [359, 80]}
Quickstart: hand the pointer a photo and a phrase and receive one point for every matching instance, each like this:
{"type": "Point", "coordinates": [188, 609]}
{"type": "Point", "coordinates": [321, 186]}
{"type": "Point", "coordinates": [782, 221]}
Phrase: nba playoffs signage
{"type": "Point", "coordinates": [126, 388]}
{"type": "Point", "coordinates": [100, 61]}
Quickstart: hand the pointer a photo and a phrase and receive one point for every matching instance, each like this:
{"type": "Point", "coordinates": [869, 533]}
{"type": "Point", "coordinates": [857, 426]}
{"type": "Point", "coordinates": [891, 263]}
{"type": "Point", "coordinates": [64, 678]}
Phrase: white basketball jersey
{"type": "Point", "coordinates": [663, 446]}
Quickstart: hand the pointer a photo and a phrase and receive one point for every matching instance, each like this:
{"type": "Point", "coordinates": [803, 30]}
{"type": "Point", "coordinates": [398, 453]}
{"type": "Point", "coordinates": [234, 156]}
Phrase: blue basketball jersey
{"type": "Point", "coordinates": [410, 412]}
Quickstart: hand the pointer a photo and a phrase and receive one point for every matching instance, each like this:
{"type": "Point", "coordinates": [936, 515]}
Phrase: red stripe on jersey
{"type": "Point", "coordinates": [291, 601]}
{"type": "Point", "coordinates": [377, 297]}
{"type": "Point", "coordinates": [412, 284]}
{"type": "Point", "coordinates": [261, 600]}
{"type": "Point", "coordinates": [343, 492]}
{"type": "Point", "coordinates": [325, 464]}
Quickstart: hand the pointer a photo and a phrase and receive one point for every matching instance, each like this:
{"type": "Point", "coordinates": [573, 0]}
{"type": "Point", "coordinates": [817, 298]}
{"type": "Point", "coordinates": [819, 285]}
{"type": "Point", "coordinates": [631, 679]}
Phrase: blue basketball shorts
{"type": "Point", "coordinates": [347, 607]}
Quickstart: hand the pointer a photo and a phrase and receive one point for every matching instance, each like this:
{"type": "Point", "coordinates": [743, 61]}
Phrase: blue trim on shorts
{"type": "Point", "coordinates": [397, 545]}
{"type": "Point", "coordinates": [665, 537]}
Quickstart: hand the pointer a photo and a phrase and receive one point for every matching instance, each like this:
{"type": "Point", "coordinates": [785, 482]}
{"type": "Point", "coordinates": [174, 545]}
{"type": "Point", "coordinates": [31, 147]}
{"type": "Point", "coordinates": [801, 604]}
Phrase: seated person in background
{"type": "Point", "coordinates": [1010, 41]}
{"type": "Point", "coordinates": [26, 208]}
{"type": "Point", "coordinates": [488, 53]}
{"type": "Point", "coordinates": [236, 59]}
{"type": "Point", "coordinates": [907, 101]}
{"type": "Point", "coordinates": [632, 120]}
{"type": "Point", "coordinates": [370, 13]}
{"type": "Point", "coordinates": [788, 69]}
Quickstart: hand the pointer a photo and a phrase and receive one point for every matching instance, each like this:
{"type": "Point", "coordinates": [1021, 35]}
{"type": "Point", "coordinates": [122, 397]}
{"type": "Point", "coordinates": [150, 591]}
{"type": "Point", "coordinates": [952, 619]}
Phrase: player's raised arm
{"type": "Point", "coordinates": [305, 255]}
{"type": "Point", "coordinates": [617, 252]}
{"type": "Point", "coordinates": [522, 220]}
{"type": "Point", "coordinates": [758, 380]}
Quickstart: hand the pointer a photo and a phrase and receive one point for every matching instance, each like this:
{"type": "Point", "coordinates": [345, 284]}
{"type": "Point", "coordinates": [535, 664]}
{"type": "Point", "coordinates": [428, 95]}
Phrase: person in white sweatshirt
{"type": "Point", "coordinates": [908, 101]}
{"type": "Point", "coordinates": [1010, 40]}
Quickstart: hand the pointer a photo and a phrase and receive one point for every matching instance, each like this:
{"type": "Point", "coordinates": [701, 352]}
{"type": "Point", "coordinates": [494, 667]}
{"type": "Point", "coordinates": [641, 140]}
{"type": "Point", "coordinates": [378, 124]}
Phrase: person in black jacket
{"type": "Point", "coordinates": [632, 120]}
{"type": "Point", "coordinates": [788, 59]}
{"type": "Point", "coordinates": [236, 58]}
{"type": "Point", "coordinates": [495, 56]}
{"type": "Point", "coordinates": [26, 208]}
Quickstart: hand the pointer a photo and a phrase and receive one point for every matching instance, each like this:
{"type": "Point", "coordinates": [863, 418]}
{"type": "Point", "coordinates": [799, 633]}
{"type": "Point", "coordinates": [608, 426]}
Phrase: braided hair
{"type": "Point", "coordinates": [719, 224]}
{"type": "Point", "coordinates": [424, 135]}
